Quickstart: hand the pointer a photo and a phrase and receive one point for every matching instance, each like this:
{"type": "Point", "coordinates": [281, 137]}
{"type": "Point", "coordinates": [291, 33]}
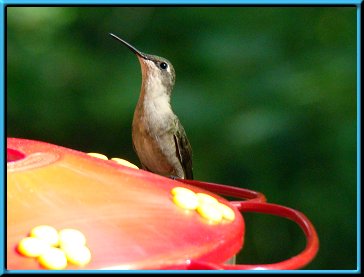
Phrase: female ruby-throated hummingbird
{"type": "Point", "coordinates": [158, 137]}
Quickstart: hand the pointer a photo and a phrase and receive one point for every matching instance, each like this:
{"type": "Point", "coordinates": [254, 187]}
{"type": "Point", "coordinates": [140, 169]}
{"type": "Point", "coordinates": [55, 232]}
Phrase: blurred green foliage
{"type": "Point", "coordinates": [267, 96]}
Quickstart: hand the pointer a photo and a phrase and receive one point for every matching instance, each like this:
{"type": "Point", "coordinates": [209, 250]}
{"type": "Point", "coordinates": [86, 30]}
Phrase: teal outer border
{"type": "Point", "coordinates": [3, 5]}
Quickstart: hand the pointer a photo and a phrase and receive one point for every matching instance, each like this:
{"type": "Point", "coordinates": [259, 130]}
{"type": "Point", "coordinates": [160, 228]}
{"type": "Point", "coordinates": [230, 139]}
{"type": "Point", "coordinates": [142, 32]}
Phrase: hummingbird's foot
{"type": "Point", "coordinates": [173, 177]}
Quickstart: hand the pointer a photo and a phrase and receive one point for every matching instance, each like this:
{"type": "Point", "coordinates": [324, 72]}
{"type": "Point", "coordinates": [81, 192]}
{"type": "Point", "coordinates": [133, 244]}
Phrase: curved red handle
{"type": "Point", "coordinates": [256, 202]}
{"type": "Point", "coordinates": [298, 261]}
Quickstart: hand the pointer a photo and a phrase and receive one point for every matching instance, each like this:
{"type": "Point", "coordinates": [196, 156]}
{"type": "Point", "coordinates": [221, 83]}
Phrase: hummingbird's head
{"type": "Point", "coordinates": [157, 71]}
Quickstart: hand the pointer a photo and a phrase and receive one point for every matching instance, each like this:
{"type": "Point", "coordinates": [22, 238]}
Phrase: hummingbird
{"type": "Point", "coordinates": [159, 138]}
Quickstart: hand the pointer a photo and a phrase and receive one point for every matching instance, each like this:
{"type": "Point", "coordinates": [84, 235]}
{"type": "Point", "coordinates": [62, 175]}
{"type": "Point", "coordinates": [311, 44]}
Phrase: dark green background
{"type": "Point", "coordinates": [267, 96]}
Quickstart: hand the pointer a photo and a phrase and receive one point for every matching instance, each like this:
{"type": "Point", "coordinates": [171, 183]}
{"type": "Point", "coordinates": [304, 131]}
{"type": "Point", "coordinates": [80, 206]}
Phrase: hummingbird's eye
{"type": "Point", "coordinates": [163, 65]}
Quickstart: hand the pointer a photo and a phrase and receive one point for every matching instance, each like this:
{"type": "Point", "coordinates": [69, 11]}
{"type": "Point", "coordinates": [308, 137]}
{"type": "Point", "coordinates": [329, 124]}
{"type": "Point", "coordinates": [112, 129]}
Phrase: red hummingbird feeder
{"type": "Point", "coordinates": [128, 216]}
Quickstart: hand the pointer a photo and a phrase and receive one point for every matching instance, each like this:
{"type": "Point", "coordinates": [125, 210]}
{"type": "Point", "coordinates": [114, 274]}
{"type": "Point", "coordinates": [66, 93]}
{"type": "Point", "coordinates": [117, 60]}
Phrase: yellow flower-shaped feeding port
{"type": "Point", "coordinates": [117, 160]}
{"type": "Point", "coordinates": [55, 249]}
{"type": "Point", "coordinates": [124, 162]}
{"type": "Point", "coordinates": [32, 247]}
{"type": "Point", "coordinates": [46, 233]}
{"type": "Point", "coordinates": [77, 254]}
{"type": "Point", "coordinates": [205, 205]}
{"type": "Point", "coordinates": [53, 258]}
{"type": "Point", "coordinates": [185, 198]}
{"type": "Point", "coordinates": [98, 155]}
{"type": "Point", "coordinates": [71, 237]}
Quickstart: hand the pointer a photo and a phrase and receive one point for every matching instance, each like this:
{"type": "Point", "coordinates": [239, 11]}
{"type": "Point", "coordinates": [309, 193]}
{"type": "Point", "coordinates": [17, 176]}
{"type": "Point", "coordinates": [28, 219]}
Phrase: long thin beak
{"type": "Point", "coordinates": [131, 47]}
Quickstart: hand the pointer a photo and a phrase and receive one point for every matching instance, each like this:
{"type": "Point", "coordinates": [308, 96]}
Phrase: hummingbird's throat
{"type": "Point", "coordinates": [153, 85]}
{"type": "Point", "coordinates": [155, 99]}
